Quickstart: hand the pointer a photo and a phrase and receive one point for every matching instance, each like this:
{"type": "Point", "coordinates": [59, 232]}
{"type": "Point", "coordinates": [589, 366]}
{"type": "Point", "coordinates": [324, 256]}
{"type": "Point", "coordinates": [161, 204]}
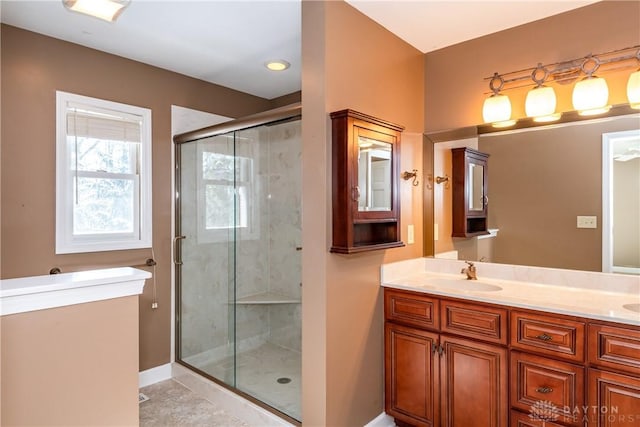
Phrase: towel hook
{"type": "Point", "coordinates": [409, 175]}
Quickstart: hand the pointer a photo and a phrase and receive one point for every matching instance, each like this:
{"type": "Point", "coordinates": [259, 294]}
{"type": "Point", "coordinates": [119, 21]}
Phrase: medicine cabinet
{"type": "Point", "coordinates": [366, 204]}
{"type": "Point", "coordinates": [470, 199]}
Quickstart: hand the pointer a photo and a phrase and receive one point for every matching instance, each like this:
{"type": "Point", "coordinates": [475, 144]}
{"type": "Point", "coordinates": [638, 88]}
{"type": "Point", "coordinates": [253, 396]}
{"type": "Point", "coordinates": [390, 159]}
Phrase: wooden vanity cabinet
{"type": "Point", "coordinates": [365, 187]}
{"type": "Point", "coordinates": [469, 191]}
{"type": "Point", "coordinates": [614, 375]}
{"type": "Point", "coordinates": [433, 377]}
{"type": "Point", "coordinates": [447, 362]}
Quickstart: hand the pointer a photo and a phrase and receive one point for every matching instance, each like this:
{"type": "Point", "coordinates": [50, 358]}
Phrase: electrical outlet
{"type": "Point", "coordinates": [587, 222]}
{"type": "Point", "coordinates": [410, 235]}
{"type": "Point", "coordinates": [435, 232]}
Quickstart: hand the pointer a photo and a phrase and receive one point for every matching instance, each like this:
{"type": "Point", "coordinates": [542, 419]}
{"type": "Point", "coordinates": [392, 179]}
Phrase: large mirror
{"type": "Point", "coordinates": [561, 195]}
{"type": "Point", "coordinates": [374, 175]}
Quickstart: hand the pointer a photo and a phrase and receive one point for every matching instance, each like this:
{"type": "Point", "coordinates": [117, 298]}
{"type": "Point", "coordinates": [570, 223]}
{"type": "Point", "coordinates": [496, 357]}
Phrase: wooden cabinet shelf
{"type": "Point", "coordinates": [366, 202]}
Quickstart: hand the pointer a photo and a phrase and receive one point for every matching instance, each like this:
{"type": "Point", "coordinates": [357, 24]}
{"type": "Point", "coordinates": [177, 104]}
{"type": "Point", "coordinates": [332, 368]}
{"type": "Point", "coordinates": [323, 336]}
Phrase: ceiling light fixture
{"type": "Point", "coordinates": [107, 10]}
{"type": "Point", "coordinates": [277, 65]}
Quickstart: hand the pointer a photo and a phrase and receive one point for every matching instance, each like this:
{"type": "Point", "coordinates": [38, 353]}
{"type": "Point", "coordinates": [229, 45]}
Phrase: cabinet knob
{"type": "Point", "coordinates": [544, 390]}
{"type": "Point", "coordinates": [544, 337]}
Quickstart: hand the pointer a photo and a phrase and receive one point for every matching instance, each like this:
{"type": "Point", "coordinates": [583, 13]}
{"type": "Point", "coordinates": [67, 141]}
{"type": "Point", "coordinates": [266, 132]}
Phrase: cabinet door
{"type": "Point", "coordinates": [473, 384]}
{"type": "Point", "coordinates": [614, 399]}
{"type": "Point", "coordinates": [411, 375]}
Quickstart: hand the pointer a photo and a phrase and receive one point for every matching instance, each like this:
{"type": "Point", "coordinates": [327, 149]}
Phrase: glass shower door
{"type": "Point", "coordinates": [205, 255]}
{"type": "Point", "coordinates": [239, 261]}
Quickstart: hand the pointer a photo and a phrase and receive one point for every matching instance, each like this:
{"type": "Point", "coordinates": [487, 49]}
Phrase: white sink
{"type": "Point", "coordinates": [462, 285]}
{"type": "Point", "coordinates": [632, 307]}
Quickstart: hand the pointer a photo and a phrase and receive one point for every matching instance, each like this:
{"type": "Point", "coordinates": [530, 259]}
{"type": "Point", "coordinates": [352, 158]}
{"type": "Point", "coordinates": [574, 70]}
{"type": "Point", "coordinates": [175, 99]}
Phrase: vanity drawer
{"type": "Point", "coordinates": [411, 308]}
{"type": "Point", "coordinates": [536, 417]}
{"type": "Point", "coordinates": [615, 347]}
{"type": "Point", "coordinates": [474, 321]}
{"type": "Point", "coordinates": [536, 379]}
{"type": "Point", "coordinates": [552, 335]}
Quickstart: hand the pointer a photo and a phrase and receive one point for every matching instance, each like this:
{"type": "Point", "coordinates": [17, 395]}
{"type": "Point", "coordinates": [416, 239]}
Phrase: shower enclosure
{"type": "Point", "coordinates": [238, 256]}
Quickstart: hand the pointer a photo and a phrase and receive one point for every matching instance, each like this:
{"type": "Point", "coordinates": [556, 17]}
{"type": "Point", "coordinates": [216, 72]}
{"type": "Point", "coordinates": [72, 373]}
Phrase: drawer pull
{"type": "Point", "coordinates": [544, 337]}
{"type": "Point", "coordinates": [544, 390]}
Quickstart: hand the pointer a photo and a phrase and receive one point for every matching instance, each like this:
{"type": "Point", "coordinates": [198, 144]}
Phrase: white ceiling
{"type": "Point", "coordinates": [227, 42]}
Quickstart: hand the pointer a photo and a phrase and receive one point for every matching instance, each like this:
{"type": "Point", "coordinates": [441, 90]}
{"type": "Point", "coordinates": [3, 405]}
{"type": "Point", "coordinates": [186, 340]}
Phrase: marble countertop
{"type": "Point", "coordinates": [601, 296]}
{"type": "Point", "coordinates": [25, 294]}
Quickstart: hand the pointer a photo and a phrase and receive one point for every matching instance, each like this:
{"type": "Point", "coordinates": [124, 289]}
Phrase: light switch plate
{"type": "Point", "coordinates": [410, 235]}
{"type": "Point", "coordinates": [587, 222]}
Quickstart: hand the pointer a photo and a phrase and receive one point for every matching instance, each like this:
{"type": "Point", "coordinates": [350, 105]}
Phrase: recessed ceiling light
{"type": "Point", "coordinates": [277, 65]}
{"type": "Point", "coordinates": [108, 10]}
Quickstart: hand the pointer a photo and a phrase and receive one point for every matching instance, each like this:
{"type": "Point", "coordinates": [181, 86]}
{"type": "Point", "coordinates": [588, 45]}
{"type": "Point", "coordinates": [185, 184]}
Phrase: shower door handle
{"type": "Point", "coordinates": [177, 261]}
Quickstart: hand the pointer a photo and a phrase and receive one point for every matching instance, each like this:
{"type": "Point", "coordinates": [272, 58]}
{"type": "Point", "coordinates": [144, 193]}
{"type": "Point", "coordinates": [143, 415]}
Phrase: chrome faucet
{"type": "Point", "coordinates": [470, 271]}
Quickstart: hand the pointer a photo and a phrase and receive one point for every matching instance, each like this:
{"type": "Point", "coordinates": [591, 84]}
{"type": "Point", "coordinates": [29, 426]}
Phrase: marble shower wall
{"type": "Point", "coordinates": [285, 236]}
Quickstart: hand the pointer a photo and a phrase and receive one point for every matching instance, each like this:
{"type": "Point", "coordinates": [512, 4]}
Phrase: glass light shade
{"type": "Point", "coordinates": [541, 104]}
{"type": "Point", "coordinates": [590, 96]}
{"type": "Point", "coordinates": [107, 10]}
{"type": "Point", "coordinates": [633, 90]}
{"type": "Point", "coordinates": [496, 108]}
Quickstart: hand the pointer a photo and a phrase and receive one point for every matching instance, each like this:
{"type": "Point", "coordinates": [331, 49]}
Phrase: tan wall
{"type": "Point", "coordinates": [454, 85]}
{"type": "Point", "coordinates": [33, 68]}
{"type": "Point", "coordinates": [71, 366]}
{"type": "Point", "coordinates": [350, 62]}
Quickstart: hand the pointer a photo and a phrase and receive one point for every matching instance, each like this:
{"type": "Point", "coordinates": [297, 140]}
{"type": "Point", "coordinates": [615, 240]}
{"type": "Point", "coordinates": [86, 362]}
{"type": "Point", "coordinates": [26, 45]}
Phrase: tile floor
{"type": "Point", "coordinates": [257, 374]}
{"type": "Point", "coordinates": [171, 404]}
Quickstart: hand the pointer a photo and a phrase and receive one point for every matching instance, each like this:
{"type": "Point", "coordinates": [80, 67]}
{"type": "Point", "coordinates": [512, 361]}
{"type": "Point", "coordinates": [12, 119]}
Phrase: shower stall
{"type": "Point", "coordinates": [238, 256]}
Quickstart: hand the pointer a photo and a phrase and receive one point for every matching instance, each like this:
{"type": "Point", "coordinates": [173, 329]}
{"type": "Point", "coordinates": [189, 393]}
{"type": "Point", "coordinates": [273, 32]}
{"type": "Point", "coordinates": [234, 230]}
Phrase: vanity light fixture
{"type": "Point", "coordinates": [497, 108]}
{"type": "Point", "coordinates": [277, 65]}
{"type": "Point", "coordinates": [590, 92]}
{"type": "Point", "coordinates": [107, 10]}
{"type": "Point", "coordinates": [540, 103]}
{"type": "Point", "coordinates": [633, 87]}
{"type": "Point", "coordinates": [633, 90]}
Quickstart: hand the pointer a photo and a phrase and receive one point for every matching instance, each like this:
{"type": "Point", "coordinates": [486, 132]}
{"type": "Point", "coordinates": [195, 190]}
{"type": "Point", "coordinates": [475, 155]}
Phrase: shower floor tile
{"type": "Point", "coordinates": [258, 372]}
{"type": "Point", "coordinates": [172, 404]}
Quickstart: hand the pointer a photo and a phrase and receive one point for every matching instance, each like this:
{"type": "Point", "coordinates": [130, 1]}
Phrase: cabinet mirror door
{"type": "Point", "coordinates": [374, 190]}
{"type": "Point", "coordinates": [476, 187]}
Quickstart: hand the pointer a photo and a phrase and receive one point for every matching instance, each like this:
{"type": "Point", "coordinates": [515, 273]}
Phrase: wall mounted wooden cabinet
{"type": "Point", "coordinates": [366, 202]}
{"type": "Point", "coordinates": [470, 200]}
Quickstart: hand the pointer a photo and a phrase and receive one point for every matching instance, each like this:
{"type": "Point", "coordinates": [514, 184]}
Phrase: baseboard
{"type": "Point", "coordinates": [382, 420]}
{"type": "Point", "coordinates": [154, 375]}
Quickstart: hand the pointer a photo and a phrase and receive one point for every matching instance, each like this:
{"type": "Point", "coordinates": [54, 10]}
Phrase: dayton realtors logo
{"type": "Point", "coordinates": [543, 410]}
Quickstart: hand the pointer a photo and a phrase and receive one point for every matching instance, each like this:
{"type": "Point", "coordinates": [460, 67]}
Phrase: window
{"type": "Point", "coordinates": [103, 175]}
{"type": "Point", "coordinates": [225, 191]}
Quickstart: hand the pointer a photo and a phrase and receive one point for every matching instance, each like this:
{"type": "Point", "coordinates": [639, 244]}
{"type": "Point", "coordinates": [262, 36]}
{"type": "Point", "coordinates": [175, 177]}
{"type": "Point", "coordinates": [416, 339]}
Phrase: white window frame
{"type": "Point", "coordinates": [66, 241]}
{"type": "Point", "coordinates": [248, 231]}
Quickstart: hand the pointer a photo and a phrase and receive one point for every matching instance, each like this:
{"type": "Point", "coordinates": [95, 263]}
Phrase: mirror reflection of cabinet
{"type": "Point", "coordinates": [470, 200]}
{"type": "Point", "coordinates": [366, 204]}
